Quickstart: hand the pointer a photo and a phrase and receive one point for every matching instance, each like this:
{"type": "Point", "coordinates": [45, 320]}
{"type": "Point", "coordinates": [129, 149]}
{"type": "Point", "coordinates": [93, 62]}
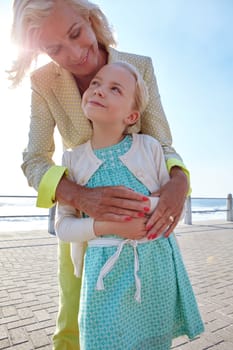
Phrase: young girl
{"type": "Point", "coordinates": [135, 291]}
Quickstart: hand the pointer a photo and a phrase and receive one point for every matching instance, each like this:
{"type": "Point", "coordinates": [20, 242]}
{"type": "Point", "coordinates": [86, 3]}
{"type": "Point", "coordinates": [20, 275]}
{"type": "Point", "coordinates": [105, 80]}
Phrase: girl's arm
{"type": "Point", "coordinates": [133, 229]}
{"type": "Point", "coordinates": [70, 227]}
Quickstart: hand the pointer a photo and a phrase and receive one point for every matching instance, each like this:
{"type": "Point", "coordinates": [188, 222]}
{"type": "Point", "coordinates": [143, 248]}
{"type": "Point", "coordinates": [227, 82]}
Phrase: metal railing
{"type": "Point", "coordinates": [189, 211]}
{"type": "Point", "coordinates": [18, 216]}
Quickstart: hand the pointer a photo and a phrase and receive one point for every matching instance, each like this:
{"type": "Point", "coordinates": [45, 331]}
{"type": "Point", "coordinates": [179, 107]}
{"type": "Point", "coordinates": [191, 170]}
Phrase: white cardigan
{"type": "Point", "coordinates": [145, 159]}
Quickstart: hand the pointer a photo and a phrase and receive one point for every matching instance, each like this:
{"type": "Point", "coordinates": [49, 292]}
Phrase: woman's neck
{"type": "Point", "coordinates": [83, 81]}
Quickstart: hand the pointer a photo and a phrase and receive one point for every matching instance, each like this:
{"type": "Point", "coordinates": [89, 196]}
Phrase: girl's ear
{"type": "Point", "coordinates": [132, 118]}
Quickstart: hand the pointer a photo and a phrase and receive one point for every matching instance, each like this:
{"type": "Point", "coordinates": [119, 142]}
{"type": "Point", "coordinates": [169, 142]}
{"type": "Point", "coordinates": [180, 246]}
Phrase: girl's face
{"type": "Point", "coordinates": [69, 40]}
{"type": "Point", "coordinates": [109, 100]}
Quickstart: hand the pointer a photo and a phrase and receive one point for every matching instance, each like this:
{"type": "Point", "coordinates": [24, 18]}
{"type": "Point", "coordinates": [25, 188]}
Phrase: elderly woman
{"type": "Point", "coordinates": [76, 35]}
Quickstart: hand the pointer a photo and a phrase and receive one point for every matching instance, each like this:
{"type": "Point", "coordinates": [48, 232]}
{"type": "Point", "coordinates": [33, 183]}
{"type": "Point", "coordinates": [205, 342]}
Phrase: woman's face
{"type": "Point", "coordinates": [69, 40]}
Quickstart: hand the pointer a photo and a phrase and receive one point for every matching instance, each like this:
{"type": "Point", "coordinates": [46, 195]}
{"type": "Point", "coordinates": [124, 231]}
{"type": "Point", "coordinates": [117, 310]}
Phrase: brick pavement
{"type": "Point", "coordinates": [28, 290]}
{"type": "Point", "coordinates": [29, 297]}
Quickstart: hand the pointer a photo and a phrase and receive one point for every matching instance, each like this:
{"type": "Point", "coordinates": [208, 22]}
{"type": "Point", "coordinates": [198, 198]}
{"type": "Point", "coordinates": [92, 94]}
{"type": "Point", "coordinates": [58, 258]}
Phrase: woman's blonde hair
{"type": "Point", "coordinates": [28, 19]}
{"type": "Point", "coordinates": [141, 95]}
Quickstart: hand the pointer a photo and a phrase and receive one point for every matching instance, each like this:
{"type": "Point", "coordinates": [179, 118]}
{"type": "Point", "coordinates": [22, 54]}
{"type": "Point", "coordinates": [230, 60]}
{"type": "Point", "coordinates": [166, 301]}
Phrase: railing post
{"type": "Point", "coordinates": [51, 221]}
{"type": "Point", "coordinates": [188, 211]}
{"type": "Point", "coordinates": [229, 208]}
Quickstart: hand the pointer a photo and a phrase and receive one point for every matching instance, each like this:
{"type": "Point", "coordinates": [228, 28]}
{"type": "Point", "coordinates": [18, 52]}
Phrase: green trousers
{"type": "Point", "coordinates": [66, 336]}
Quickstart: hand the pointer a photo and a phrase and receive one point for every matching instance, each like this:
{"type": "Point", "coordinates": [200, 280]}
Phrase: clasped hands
{"type": "Point", "coordinates": [136, 216]}
{"type": "Point", "coordinates": [124, 206]}
{"type": "Point", "coordinates": [134, 227]}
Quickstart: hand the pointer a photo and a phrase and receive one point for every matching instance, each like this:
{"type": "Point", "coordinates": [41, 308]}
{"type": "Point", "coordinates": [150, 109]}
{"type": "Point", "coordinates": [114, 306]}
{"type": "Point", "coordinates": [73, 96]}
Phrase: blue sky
{"type": "Point", "coordinates": [190, 43]}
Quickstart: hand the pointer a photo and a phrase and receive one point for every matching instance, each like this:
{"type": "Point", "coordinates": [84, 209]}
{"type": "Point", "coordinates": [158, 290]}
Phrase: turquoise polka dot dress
{"type": "Point", "coordinates": [111, 319]}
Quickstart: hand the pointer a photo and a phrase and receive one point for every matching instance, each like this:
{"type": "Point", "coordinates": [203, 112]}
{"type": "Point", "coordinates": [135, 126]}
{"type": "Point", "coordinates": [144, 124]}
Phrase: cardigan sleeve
{"type": "Point", "coordinates": [70, 226]}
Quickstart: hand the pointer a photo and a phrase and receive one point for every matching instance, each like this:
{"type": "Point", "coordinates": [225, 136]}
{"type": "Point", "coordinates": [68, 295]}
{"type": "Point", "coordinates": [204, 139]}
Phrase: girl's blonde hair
{"type": "Point", "coordinates": [28, 19]}
{"type": "Point", "coordinates": [141, 92]}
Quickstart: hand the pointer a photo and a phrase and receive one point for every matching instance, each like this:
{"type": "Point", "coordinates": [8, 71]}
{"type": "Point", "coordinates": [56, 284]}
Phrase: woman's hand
{"type": "Point", "coordinates": [170, 206]}
{"type": "Point", "coordinates": [103, 203]}
{"type": "Point", "coordinates": [132, 229]}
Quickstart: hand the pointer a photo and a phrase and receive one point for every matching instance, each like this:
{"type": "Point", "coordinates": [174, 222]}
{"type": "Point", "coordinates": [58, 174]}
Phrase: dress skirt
{"type": "Point", "coordinates": [111, 319]}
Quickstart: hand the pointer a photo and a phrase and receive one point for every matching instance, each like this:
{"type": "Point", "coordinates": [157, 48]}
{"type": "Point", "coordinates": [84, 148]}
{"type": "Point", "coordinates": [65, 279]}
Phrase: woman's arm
{"type": "Point", "coordinates": [116, 203]}
{"type": "Point", "coordinates": [37, 157]}
{"type": "Point", "coordinates": [172, 198]}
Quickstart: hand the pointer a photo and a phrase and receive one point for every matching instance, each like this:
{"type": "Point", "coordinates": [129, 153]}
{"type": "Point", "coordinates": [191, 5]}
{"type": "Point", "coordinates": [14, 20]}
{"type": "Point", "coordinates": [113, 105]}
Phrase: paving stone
{"type": "Point", "coordinates": [180, 341]}
{"type": "Point", "coordinates": [224, 346]}
{"type": "Point", "coordinates": [39, 338]}
{"type": "Point", "coordinates": [23, 346]}
{"type": "Point", "coordinates": [22, 323]}
{"type": "Point", "coordinates": [25, 313]}
{"type": "Point", "coordinates": [217, 325]}
{"type": "Point", "coordinates": [3, 294]}
{"type": "Point", "coordinates": [3, 332]}
{"type": "Point", "coordinates": [8, 320]}
{"type": "Point", "coordinates": [9, 311]}
{"type": "Point", "coordinates": [15, 296]}
{"type": "Point", "coordinates": [18, 336]}
{"type": "Point", "coordinates": [226, 334]}
{"type": "Point", "coordinates": [4, 343]}
{"type": "Point", "coordinates": [39, 325]}
{"type": "Point", "coordinates": [186, 346]}
{"type": "Point", "coordinates": [42, 315]}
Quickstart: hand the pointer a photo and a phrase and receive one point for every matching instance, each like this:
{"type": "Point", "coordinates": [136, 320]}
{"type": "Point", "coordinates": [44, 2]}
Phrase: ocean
{"type": "Point", "coordinates": [209, 209]}
{"type": "Point", "coordinates": [33, 218]}
{"type": "Point", "coordinates": [21, 213]}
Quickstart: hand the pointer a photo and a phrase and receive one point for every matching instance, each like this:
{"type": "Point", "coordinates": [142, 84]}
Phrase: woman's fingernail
{"type": "Point", "coordinates": [148, 228]}
{"type": "Point", "coordinates": [153, 236]}
{"type": "Point", "coordinates": [145, 198]}
{"type": "Point", "coordinates": [141, 215]}
{"type": "Point", "coordinates": [128, 218]}
{"type": "Point", "coordinates": [147, 209]}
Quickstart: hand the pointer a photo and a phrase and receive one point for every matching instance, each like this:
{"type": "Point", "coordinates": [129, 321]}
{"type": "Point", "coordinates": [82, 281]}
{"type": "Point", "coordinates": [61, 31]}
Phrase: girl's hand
{"type": "Point", "coordinates": [115, 203]}
{"type": "Point", "coordinates": [132, 229]}
{"type": "Point", "coordinates": [171, 202]}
